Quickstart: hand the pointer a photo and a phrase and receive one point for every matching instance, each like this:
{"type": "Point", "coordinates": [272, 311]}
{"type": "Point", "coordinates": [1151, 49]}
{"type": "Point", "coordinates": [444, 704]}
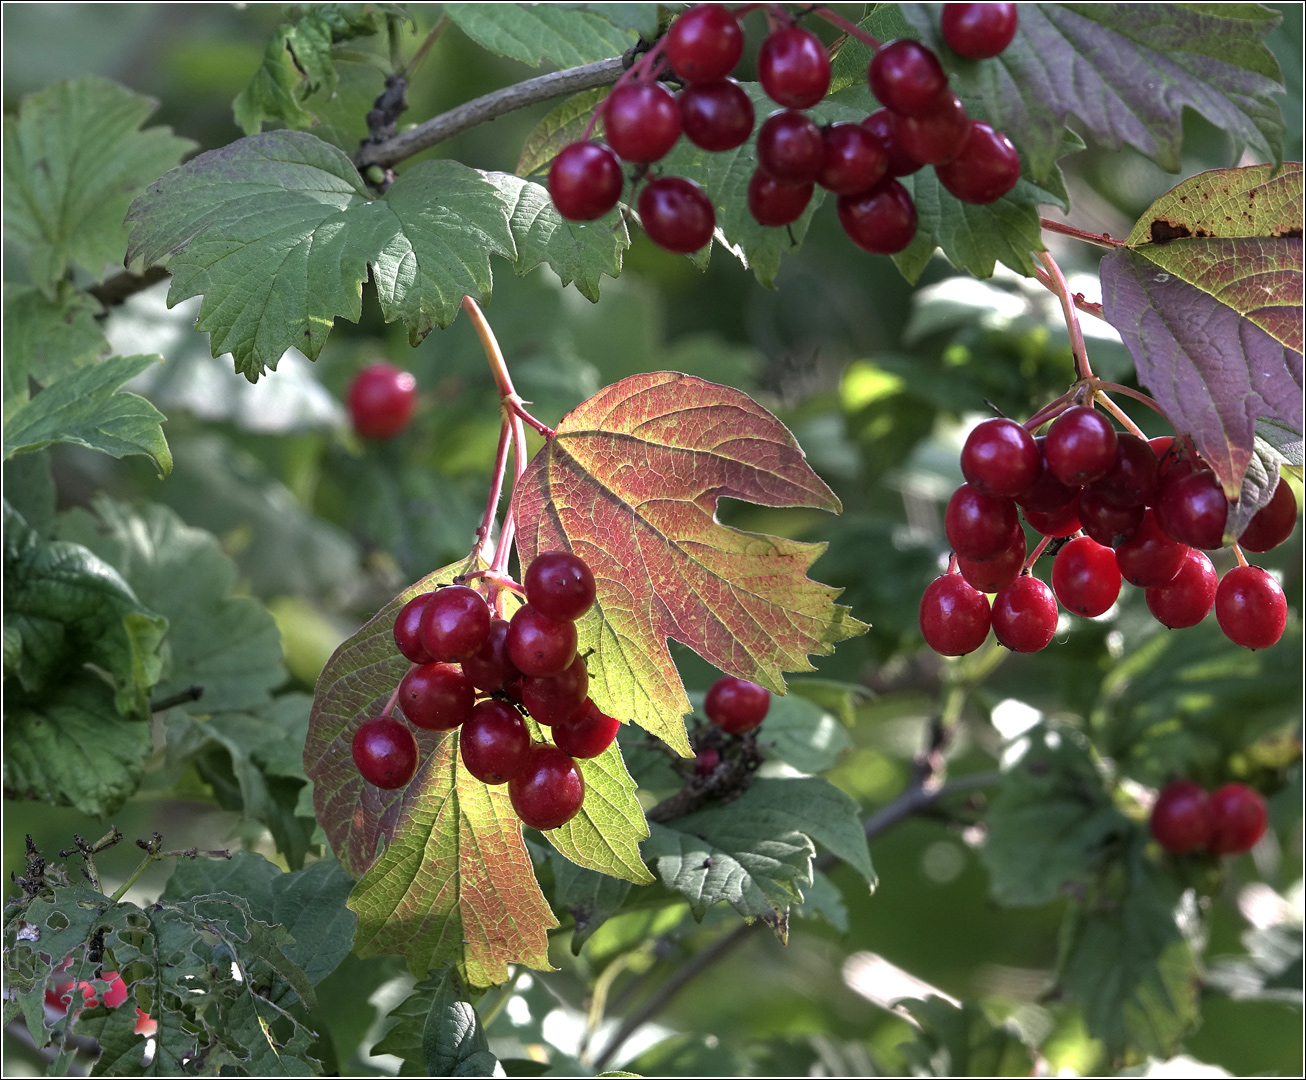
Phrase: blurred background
{"type": "Point", "coordinates": [878, 379]}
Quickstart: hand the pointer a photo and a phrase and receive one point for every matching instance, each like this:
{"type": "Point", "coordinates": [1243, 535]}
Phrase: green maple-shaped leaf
{"type": "Point", "coordinates": [533, 33]}
{"type": "Point", "coordinates": [630, 483]}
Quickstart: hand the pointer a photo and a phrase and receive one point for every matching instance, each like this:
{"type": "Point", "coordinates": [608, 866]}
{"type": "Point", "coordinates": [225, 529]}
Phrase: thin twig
{"type": "Point", "coordinates": [1085, 305]}
{"type": "Point", "coordinates": [1115, 410]}
{"type": "Point", "coordinates": [1100, 239]}
{"type": "Point", "coordinates": [489, 107]}
{"type": "Point", "coordinates": [1083, 370]}
{"type": "Point", "coordinates": [441, 24]}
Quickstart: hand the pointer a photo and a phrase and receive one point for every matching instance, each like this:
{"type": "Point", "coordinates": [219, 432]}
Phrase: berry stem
{"type": "Point", "coordinates": [486, 527]}
{"type": "Point", "coordinates": [1119, 413]}
{"type": "Point", "coordinates": [390, 705]}
{"type": "Point", "coordinates": [1101, 239]}
{"type": "Point", "coordinates": [1050, 411]}
{"type": "Point", "coordinates": [1033, 555]}
{"type": "Point", "coordinates": [1116, 388]}
{"type": "Point", "coordinates": [850, 28]}
{"type": "Point", "coordinates": [1086, 306]}
{"type": "Point", "coordinates": [636, 70]}
{"type": "Point", "coordinates": [1238, 554]}
{"type": "Point", "coordinates": [1083, 369]}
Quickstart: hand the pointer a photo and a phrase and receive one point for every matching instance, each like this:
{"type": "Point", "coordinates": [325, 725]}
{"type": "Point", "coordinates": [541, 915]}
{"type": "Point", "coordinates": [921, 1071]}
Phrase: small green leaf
{"type": "Point", "coordinates": [46, 339]}
{"type": "Point", "coordinates": [438, 1032]}
{"type": "Point", "coordinates": [533, 33]}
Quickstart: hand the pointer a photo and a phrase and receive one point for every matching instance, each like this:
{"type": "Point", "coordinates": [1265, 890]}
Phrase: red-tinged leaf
{"type": "Point", "coordinates": [630, 483]}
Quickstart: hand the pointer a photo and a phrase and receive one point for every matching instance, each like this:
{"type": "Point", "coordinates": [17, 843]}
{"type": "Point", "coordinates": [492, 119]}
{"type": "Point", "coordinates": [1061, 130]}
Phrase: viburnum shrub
{"type": "Point", "coordinates": [501, 777]}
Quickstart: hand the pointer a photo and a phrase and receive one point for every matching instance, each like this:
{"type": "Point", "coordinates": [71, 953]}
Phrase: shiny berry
{"type": "Point", "coordinates": [1251, 608]}
{"type": "Point", "coordinates": [1080, 446]}
{"type": "Point", "coordinates": [1273, 523]}
{"type": "Point", "coordinates": [559, 585]}
{"type": "Point", "coordinates": [1187, 598]}
{"type": "Point", "coordinates": [789, 147]}
{"type": "Point", "coordinates": [716, 115]}
{"type": "Point", "coordinates": [954, 616]}
{"type": "Point", "coordinates": [437, 697]}
{"type": "Point", "coordinates": [898, 162]}
{"type": "Point", "coordinates": [495, 742]}
{"type": "Point", "coordinates": [407, 626]}
{"type": "Point", "coordinates": [1238, 819]}
{"type": "Point", "coordinates": [793, 68]}
{"type": "Point", "coordinates": [935, 137]}
{"type": "Point", "coordinates": [1192, 508]}
{"type": "Point", "coordinates": [585, 181]}
{"type": "Point", "coordinates": [775, 202]}
{"type": "Point", "coordinates": [907, 78]}
{"type": "Point", "coordinates": [381, 400]}
{"type": "Point", "coordinates": [984, 169]}
{"type": "Point", "coordinates": [979, 31]}
{"type": "Point", "coordinates": [1181, 817]}
{"type": "Point", "coordinates": [852, 159]}
{"type": "Point", "coordinates": [1048, 493]}
{"type": "Point", "coordinates": [1150, 558]}
{"type": "Point", "coordinates": [979, 526]}
{"type": "Point", "coordinates": [1062, 521]}
{"type": "Point", "coordinates": [736, 705]}
{"type": "Point", "coordinates": [588, 733]}
{"type": "Point", "coordinates": [1025, 615]}
{"type": "Point", "coordinates": [882, 220]}
{"type": "Point", "coordinates": [677, 214]}
{"type": "Point", "coordinates": [1001, 459]}
{"type": "Point", "coordinates": [641, 121]}
{"type": "Point", "coordinates": [454, 623]}
{"type": "Point", "coordinates": [1105, 523]}
{"type": "Point", "coordinates": [385, 752]}
{"type": "Point", "coordinates": [540, 646]}
{"type": "Point", "coordinates": [557, 699]}
{"type": "Point", "coordinates": [996, 573]}
{"type": "Point", "coordinates": [1085, 577]}
{"type": "Point", "coordinates": [705, 43]}
{"type": "Point", "coordinates": [1132, 478]}
{"type": "Point", "coordinates": [492, 668]}
{"type": "Point", "coordinates": [549, 789]}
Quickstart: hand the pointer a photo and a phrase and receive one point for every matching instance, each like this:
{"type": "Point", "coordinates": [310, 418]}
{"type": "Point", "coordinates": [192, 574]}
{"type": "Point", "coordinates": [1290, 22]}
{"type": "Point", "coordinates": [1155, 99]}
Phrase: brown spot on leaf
{"type": "Point", "coordinates": [1293, 233]}
{"type": "Point", "coordinates": [1162, 231]}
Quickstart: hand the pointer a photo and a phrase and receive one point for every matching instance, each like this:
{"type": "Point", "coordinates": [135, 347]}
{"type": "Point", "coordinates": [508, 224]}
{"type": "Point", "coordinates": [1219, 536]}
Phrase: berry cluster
{"type": "Point", "coordinates": [1139, 510]}
{"type": "Point", "coordinates": [381, 400]}
{"type": "Point", "coordinates": [923, 123]}
{"type": "Point", "coordinates": [1227, 822]}
{"type": "Point", "coordinates": [476, 673]}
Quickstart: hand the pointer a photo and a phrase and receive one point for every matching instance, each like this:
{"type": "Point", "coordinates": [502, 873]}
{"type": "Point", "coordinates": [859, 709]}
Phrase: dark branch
{"type": "Point", "coordinates": [119, 287]}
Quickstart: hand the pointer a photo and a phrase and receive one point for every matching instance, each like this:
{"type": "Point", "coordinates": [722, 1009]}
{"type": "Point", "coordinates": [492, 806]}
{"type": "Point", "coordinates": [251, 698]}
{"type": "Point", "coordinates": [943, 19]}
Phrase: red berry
{"type": "Point", "coordinates": [1085, 577]}
{"type": "Point", "coordinates": [1150, 558]}
{"type": "Point", "coordinates": [793, 68]}
{"type": "Point", "coordinates": [899, 163]}
{"type": "Point", "coordinates": [1080, 446]}
{"type": "Point", "coordinates": [1181, 818]}
{"type": "Point", "coordinates": [437, 697]}
{"type": "Point", "coordinates": [407, 625]}
{"type": "Point", "coordinates": [676, 213]}
{"type": "Point", "coordinates": [558, 699]}
{"type": "Point", "coordinates": [882, 220]}
{"type": "Point", "coordinates": [907, 78]}
{"type": "Point", "coordinates": [736, 705]}
{"type": "Point", "coordinates": [641, 121]}
{"type": "Point", "coordinates": [585, 181]}
{"type": "Point", "coordinates": [454, 623]}
{"type": "Point", "coordinates": [1105, 523]}
{"type": "Point", "coordinates": [1192, 509]}
{"type": "Point", "coordinates": [1238, 819]}
{"type": "Point", "coordinates": [789, 147]}
{"type": "Point", "coordinates": [549, 789]}
{"type": "Point", "coordinates": [495, 742]}
{"type": "Point", "coordinates": [1251, 608]}
{"type": "Point", "coordinates": [588, 733]}
{"type": "Point", "coordinates": [978, 525]}
{"type": "Point", "coordinates": [1025, 615]}
{"type": "Point", "coordinates": [381, 400]}
{"type": "Point", "coordinates": [954, 616]}
{"type": "Point", "coordinates": [996, 573]}
{"type": "Point", "coordinates": [852, 159]}
{"type": "Point", "coordinates": [774, 202]}
{"type": "Point", "coordinates": [1059, 522]}
{"type": "Point", "coordinates": [985, 168]}
{"type": "Point", "coordinates": [559, 585]}
{"type": "Point", "coordinates": [935, 137]}
{"type": "Point", "coordinates": [716, 115]}
{"type": "Point", "coordinates": [1001, 459]}
{"type": "Point", "coordinates": [706, 762]}
{"type": "Point", "coordinates": [385, 752]}
{"type": "Point", "coordinates": [705, 43]}
{"type": "Point", "coordinates": [491, 668]}
{"type": "Point", "coordinates": [1132, 478]}
{"type": "Point", "coordinates": [1048, 493]}
{"type": "Point", "coordinates": [540, 646]}
{"type": "Point", "coordinates": [1187, 598]}
{"type": "Point", "coordinates": [1273, 523]}
{"type": "Point", "coordinates": [979, 31]}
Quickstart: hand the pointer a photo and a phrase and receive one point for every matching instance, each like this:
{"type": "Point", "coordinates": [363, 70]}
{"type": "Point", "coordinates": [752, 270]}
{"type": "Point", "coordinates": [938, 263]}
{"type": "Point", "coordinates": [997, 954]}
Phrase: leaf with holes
{"type": "Point", "coordinates": [630, 483]}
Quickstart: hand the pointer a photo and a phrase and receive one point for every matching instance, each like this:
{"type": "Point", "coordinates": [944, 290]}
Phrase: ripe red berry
{"type": "Point", "coordinates": [1251, 608]}
{"type": "Point", "coordinates": [705, 43]}
{"type": "Point", "coordinates": [1150, 558]}
{"type": "Point", "coordinates": [907, 78]}
{"type": "Point", "coordinates": [491, 668]}
{"type": "Point", "coordinates": [899, 163]}
{"type": "Point", "coordinates": [954, 616]}
{"type": "Point", "coordinates": [407, 624]}
{"type": "Point", "coordinates": [789, 147]}
{"type": "Point", "coordinates": [677, 214]}
{"type": "Point", "coordinates": [641, 121]}
{"type": "Point", "coordinates": [385, 752]}
{"type": "Point", "coordinates": [1192, 509]}
{"type": "Point", "coordinates": [1048, 493]}
{"type": "Point", "coordinates": [774, 202]}
{"type": "Point", "coordinates": [1085, 577]}
{"type": "Point", "coordinates": [454, 623]}
{"type": "Point", "coordinates": [558, 699]}
{"type": "Point", "coordinates": [538, 645]}
{"type": "Point", "coordinates": [1273, 523]}
{"type": "Point", "coordinates": [1080, 446]}
{"type": "Point", "coordinates": [736, 705]}
{"type": "Point", "coordinates": [1025, 615]}
{"type": "Point", "coordinates": [1105, 523]}
{"type": "Point", "coordinates": [1187, 598]}
{"type": "Point", "coordinates": [985, 168]}
{"type": "Point", "coordinates": [882, 220]}
{"type": "Point", "coordinates": [852, 159]}
{"type": "Point", "coordinates": [1238, 819]}
{"type": "Point", "coordinates": [559, 585]}
{"type": "Point", "coordinates": [437, 697]}
{"type": "Point", "coordinates": [997, 573]}
{"type": "Point", "coordinates": [1001, 459]}
{"type": "Point", "coordinates": [495, 742]}
{"type": "Point", "coordinates": [588, 733]}
{"type": "Point", "coordinates": [381, 400]}
{"type": "Point", "coordinates": [935, 137]}
{"type": "Point", "coordinates": [1132, 478]}
{"type": "Point", "coordinates": [793, 68]}
{"type": "Point", "coordinates": [585, 181]}
{"type": "Point", "coordinates": [549, 789]}
{"type": "Point", "coordinates": [979, 31]}
{"type": "Point", "coordinates": [1062, 521]}
{"type": "Point", "coordinates": [1181, 818]}
{"type": "Point", "coordinates": [979, 526]}
{"type": "Point", "coordinates": [716, 115]}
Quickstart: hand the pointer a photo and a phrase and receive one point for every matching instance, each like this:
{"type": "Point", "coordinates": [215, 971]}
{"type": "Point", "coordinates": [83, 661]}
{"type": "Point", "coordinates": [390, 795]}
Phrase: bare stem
{"type": "Point", "coordinates": [1084, 305]}
{"type": "Point", "coordinates": [486, 528]}
{"type": "Point", "coordinates": [1238, 554]}
{"type": "Point", "coordinates": [1119, 413]}
{"type": "Point", "coordinates": [1116, 388]}
{"type": "Point", "coordinates": [1058, 285]}
{"type": "Point", "coordinates": [847, 27]}
{"type": "Point", "coordinates": [1049, 411]}
{"type": "Point", "coordinates": [1100, 239]}
{"type": "Point", "coordinates": [390, 705]}
{"type": "Point", "coordinates": [441, 24]}
{"type": "Point", "coordinates": [1033, 555]}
